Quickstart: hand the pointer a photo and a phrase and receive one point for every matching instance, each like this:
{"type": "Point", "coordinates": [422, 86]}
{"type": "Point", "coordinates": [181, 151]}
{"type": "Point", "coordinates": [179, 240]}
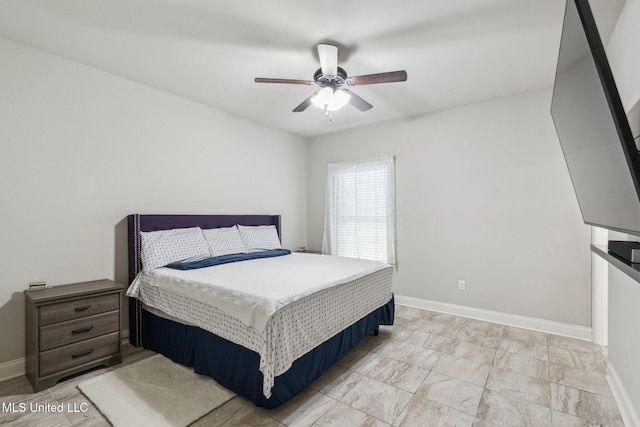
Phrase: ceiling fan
{"type": "Point", "coordinates": [332, 81]}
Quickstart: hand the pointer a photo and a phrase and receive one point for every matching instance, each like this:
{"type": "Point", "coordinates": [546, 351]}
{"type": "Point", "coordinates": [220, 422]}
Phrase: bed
{"type": "Point", "coordinates": [271, 354]}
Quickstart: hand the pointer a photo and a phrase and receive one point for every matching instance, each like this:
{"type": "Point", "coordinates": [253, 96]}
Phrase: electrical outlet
{"type": "Point", "coordinates": [461, 285]}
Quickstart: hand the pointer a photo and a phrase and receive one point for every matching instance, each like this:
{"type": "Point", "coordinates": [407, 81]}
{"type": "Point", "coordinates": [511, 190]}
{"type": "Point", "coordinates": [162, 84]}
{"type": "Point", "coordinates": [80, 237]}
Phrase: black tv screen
{"type": "Point", "coordinates": [592, 127]}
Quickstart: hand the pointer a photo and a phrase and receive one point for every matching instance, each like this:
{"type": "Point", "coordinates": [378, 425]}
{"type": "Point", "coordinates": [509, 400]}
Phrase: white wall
{"type": "Point", "coordinates": [622, 52]}
{"type": "Point", "coordinates": [624, 343]}
{"type": "Point", "coordinates": [81, 149]}
{"type": "Point", "coordinates": [483, 195]}
{"type": "Point", "coordinates": [624, 293]}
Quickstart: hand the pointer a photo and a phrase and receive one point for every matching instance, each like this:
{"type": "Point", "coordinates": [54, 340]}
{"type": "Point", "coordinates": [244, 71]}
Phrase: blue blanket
{"type": "Point", "coordinates": [225, 259]}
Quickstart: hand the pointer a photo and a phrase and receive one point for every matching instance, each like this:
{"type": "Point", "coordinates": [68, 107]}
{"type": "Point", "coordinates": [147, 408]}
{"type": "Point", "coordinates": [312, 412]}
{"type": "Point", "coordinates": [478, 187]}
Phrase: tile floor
{"type": "Point", "coordinates": [429, 369]}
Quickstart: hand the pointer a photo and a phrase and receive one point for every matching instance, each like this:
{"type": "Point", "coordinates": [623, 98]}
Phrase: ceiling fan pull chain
{"type": "Point", "coordinates": [327, 112]}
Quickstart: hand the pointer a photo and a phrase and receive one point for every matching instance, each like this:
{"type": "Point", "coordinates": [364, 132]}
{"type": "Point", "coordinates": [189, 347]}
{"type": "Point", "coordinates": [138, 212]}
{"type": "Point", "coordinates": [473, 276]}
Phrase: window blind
{"type": "Point", "coordinates": [360, 210]}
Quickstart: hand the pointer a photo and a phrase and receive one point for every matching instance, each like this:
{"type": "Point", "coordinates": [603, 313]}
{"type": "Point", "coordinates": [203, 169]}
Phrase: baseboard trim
{"type": "Point", "coordinates": [12, 369]}
{"type": "Point", "coordinates": [542, 325]}
{"type": "Point", "coordinates": [629, 414]}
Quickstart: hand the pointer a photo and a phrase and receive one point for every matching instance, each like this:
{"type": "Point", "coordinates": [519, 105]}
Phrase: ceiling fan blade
{"type": "Point", "coordinates": [370, 79]}
{"type": "Point", "coordinates": [305, 104]}
{"type": "Point", "coordinates": [287, 81]}
{"type": "Point", "coordinates": [328, 55]}
{"type": "Point", "coordinates": [358, 102]}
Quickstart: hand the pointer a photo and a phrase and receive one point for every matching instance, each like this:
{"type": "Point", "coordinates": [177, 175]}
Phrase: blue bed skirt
{"type": "Point", "coordinates": [237, 368]}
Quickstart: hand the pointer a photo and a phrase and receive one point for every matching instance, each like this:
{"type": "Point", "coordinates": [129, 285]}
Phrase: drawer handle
{"type": "Point", "coordinates": [82, 353]}
{"type": "Point", "coordinates": [81, 330]}
{"type": "Point", "coordinates": [83, 308]}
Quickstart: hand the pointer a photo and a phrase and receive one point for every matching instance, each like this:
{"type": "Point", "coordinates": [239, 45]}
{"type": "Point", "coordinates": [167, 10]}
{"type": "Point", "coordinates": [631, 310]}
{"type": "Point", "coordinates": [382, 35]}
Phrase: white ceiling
{"type": "Point", "coordinates": [455, 52]}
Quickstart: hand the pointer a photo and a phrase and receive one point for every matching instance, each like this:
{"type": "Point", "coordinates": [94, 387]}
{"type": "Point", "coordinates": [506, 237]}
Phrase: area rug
{"type": "Point", "coordinates": [154, 392]}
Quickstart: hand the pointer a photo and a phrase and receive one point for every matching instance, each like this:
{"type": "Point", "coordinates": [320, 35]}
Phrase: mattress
{"type": "Point", "coordinates": [281, 307]}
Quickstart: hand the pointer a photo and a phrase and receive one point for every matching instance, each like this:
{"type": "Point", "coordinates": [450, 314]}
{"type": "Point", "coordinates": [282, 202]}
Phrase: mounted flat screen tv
{"type": "Point", "coordinates": [593, 128]}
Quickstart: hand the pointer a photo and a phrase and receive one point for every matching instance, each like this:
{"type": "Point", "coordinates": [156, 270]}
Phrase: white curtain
{"type": "Point", "coordinates": [360, 210]}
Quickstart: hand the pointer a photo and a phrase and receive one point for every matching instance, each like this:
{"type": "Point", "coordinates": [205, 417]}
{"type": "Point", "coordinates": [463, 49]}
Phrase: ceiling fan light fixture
{"type": "Point", "coordinates": [329, 78]}
{"type": "Point", "coordinates": [331, 100]}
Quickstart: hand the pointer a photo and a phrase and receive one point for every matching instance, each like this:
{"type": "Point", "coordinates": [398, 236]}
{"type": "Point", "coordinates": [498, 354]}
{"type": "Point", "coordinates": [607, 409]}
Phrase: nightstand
{"type": "Point", "coordinates": [72, 328]}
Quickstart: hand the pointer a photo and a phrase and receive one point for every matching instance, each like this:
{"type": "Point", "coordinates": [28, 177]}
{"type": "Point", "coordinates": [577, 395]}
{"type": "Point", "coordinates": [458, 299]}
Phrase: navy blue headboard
{"type": "Point", "coordinates": [138, 223]}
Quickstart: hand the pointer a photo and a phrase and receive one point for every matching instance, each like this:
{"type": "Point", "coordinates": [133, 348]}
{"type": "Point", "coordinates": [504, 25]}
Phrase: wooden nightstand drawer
{"type": "Point", "coordinates": [59, 334]}
{"type": "Point", "coordinates": [78, 308]}
{"type": "Point", "coordinates": [79, 353]}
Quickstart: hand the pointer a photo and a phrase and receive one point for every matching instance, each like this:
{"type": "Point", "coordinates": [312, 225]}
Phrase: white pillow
{"type": "Point", "coordinates": [163, 247]}
{"type": "Point", "coordinates": [260, 237]}
{"type": "Point", "coordinates": [224, 241]}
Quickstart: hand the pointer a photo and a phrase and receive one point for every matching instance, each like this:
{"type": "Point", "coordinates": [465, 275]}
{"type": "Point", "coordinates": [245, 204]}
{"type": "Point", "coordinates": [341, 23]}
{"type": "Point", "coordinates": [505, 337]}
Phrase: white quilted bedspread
{"type": "Point", "coordinates": [279, 307]}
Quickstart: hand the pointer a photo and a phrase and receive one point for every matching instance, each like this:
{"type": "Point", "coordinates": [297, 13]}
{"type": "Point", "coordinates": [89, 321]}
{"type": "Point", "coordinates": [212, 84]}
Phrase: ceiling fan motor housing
{"type": "Point", "coordinates": [323, 80]}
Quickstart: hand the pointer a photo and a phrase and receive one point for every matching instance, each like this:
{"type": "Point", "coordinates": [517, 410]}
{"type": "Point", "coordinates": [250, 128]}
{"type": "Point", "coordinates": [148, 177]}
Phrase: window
{"type": "Point", "coordinates": [360, 210]}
